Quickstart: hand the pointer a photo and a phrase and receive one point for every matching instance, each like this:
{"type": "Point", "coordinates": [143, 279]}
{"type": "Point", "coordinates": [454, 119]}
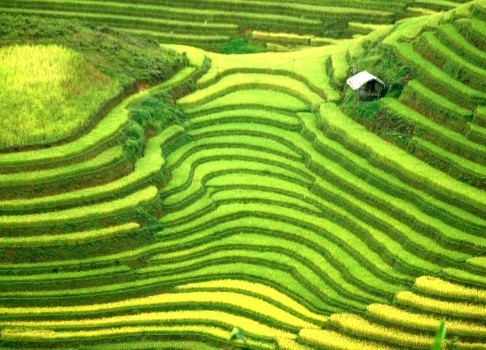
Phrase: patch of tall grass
{"type": "Point", "coordinates": [47, 93]}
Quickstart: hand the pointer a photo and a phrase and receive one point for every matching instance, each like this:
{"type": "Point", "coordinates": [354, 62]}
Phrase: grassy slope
{"type": "Point", "coordinates": [48, 93]}
{"type": "Point", "coordinates": [69, 72]}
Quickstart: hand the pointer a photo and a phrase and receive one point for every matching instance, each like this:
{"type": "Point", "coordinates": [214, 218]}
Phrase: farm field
{"type": "Point", "coordinates": [249, 190]}
{"type": "Point", "coordinates": [212, 23]}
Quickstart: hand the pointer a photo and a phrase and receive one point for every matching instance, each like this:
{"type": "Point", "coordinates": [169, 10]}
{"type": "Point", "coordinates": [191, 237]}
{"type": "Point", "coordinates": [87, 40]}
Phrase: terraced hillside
{"type": "Point", "coordinates": [264, 207]}
{"type": "Point", "coordinates": [438, 115]}
{"type": "Point", "coordinates": [211, 23]}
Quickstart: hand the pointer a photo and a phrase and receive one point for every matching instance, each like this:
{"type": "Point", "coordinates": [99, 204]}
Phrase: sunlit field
{"type": "Point", "coordinates": [47, 93]}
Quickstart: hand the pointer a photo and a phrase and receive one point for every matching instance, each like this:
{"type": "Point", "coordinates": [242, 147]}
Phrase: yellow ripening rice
{"type": "Point", "coordinates": [335, 341]}
{"type": "Point", "coordinates": [439, 287]}
{"type": "Point", "coordinates": [257, 289]}
{"type": "Point", "coordinates": [399, 317]}
{"type": "Point", "coordinates": [449, 308]}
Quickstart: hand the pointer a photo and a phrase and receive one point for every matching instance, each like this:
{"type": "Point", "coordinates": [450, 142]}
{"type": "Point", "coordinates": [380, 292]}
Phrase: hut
{"type": "Point", "coordinates": [366, 85]}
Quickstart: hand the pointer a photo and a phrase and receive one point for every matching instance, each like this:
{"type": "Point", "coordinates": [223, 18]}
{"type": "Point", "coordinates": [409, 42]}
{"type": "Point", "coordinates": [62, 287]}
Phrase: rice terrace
{"type": "Point", "coordinates": [243, 174]}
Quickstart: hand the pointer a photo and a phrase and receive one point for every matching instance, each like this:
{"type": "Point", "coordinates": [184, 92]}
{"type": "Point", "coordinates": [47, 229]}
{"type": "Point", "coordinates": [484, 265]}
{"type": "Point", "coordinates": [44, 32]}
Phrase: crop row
{"type": "Point", "coordinates": [441, 288]}
{"type": "Point", "coordinates": [234, 82]}
{"type": "Point", "coordinates": [479, 262]}
{"type": "Point", "coordinates": [131, 22]}
{"type": "Point", "coordinates": [81, 213]}
{"type": "Point", "coordinates": [215, 329]}
{"type": "Point", "coordinates": [254, 98]}
{"type": "Point", "coordinates": [418, 321]}
{"type": "Point", "coordinates": [145, 168]}
{"type": "Point", "coordinates": [183, 196]}
{"type": "Point", "coordinates": [16, 282]}
{"type": "Point", "coordinates": [453, 308]}
{"type": "Point", "coordinates": [250, 115]}
{"type": "Point", "coordinates": [436, 79]}
{"type": "Point", "coordinates": [92, 314]}
{"type": "Point", "coordinates": [465, 277]}
{"type": "Point", "coordinates": [344, 262]}
{"type": "Point", "coordinates": [449, 162]}
{"type": "Point", "coordinates": [315, 287]}
{"type": "Point", "coordinates": [449, 35]}
{"type": "Point", "coordinates": [476, 133]}
{"type": "Point", "coordinates": [253, 5]}
{"type": "Point", "coordinates": [382, 179]}
{"type": "Point", "coordinates": [409, 325]}
{"type": "Point", "coordinates": [203, 40]}
{"type": "Point", "coordinates": [67, 238]}
{"type": "Point", "coordinates": [473, 30]}
{"type": "Point", "coordinates": [284, 38]}
{"type": "Point", "coordinates": [227, 177]}
{"type": "Point", "coordinates": [442, 136]}
{"type": "Point", "coordinates": [103, 131]}
{"type": "Point", "coordinates": [169, 12]}
{"type": "Point", "coordinates": [436, 107]}
{"type": "Point", "coordinates": [112, 155]}
{"type": "Point", "coordinates": [347, 242]}
{"type": "Point", "coordinates": [401, 161]}
{"type": "Point", "coordinates": [282, 277]}
{"type": "Point", "coordinates": [258, 289]}
{"type": "Point", "coordinates": [440, 55]}
{"type": "Point", "coordinates": [184, 342]}
{"type": "Point", "coordinates": [362, 328]}
{"type": "Point", "coordinates": [328, 339]}
{"type": "Point", "coordinates": [362, 187]}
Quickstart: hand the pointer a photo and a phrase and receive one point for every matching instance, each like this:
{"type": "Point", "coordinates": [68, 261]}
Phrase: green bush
{"type": "Point", "coordinates": [241, 45]}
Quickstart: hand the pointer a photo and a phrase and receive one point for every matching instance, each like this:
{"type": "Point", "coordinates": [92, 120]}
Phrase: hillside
{"type": "Point", "coordinates": [59, 78]}
{"type": "Point", "coordinates": [251, 191]}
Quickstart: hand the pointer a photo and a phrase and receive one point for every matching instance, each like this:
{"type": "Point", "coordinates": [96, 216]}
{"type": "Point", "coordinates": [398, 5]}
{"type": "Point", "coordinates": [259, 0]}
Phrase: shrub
{"type": "Point", "coordinates": [241, 45]}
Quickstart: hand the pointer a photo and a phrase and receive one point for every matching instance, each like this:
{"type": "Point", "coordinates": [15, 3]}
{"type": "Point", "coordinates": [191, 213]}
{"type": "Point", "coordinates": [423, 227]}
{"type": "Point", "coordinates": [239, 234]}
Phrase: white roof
{"type": "Point", "coordinates": [358, 80]}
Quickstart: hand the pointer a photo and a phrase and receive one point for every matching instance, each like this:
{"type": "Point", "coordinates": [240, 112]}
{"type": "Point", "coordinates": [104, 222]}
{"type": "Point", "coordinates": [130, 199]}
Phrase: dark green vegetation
{"type": "Point", "coordinates": [239, 195]}
{"type": "Point", "coordinates": [240, 45]}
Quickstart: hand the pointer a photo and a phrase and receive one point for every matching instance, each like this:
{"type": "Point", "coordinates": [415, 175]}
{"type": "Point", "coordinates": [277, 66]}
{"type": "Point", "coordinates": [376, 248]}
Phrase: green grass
{"type": "Point", "coordinates": [49, 93]}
